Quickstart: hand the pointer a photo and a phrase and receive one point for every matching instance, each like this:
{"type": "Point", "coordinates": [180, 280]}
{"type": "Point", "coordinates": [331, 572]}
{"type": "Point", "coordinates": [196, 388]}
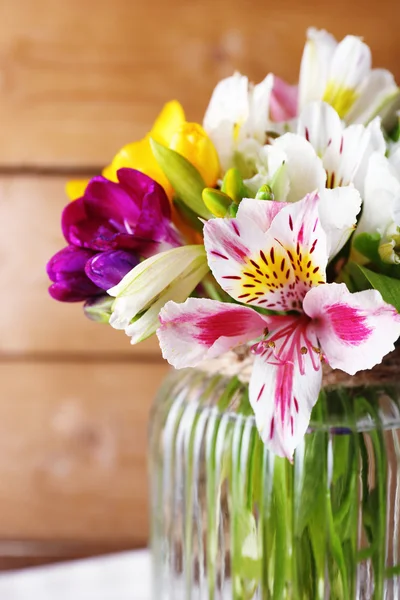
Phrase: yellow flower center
{"type": "Point", "coordinates": [290, 272]}
{"type": "Point", "coordinates": [339, 97]}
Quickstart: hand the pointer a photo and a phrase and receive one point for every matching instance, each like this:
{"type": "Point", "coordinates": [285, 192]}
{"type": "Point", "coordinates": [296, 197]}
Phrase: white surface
{"type": "Point", "coordinates": [118, 577]}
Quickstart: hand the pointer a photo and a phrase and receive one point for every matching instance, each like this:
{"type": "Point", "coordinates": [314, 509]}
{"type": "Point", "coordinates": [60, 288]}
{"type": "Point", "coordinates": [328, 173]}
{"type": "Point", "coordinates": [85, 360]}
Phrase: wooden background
{"type": "Point", "coordinates": [78, 79]}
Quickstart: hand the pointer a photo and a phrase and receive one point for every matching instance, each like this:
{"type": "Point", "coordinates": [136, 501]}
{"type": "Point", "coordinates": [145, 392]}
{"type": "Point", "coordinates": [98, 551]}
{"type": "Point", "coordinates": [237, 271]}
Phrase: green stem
{"type": "Point", "coordinates": [281, 546]}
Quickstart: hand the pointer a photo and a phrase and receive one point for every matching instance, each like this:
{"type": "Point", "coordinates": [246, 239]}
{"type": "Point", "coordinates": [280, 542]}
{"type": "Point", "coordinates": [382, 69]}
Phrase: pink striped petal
{"type": "Point", "coordinates": [355, 331]}
{"type": "Point", "coordinates": [200, 329]}
{"type": "Point", "coordinates": [285, 384]}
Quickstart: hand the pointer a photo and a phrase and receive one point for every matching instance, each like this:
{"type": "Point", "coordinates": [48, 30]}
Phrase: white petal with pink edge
{"type": "Point", "coordinates": [230, 245]}
{"type": "Point", "coordinates": [355, 331]}
{"type": "Point", "coordinates": [202, 329]}
{"type": "Point", "coordinates": [284, 386]}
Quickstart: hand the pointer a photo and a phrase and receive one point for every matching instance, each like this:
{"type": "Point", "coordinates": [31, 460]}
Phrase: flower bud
{"type": "Point", "coordinates": [99, 309]}
{"type": "Point", "coordinates": [191, 141]}
{"type": "Point", "coordinates": [265, 193]}
{"type": "Point", "coordinates": [389, 248]}
{"type": "Point", "coordinates": [216, 201]}
{"type": "Point", "coordinates": [233, 185]}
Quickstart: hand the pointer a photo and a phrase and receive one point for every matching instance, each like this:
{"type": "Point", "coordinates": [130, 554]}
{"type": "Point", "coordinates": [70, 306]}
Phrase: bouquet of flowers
{"type": "Point", "coordinates": [275, 224]}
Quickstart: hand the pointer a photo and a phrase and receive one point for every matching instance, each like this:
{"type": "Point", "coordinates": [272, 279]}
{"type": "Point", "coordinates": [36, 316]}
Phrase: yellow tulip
{"type": "Point", "coordinates": [191, 141]}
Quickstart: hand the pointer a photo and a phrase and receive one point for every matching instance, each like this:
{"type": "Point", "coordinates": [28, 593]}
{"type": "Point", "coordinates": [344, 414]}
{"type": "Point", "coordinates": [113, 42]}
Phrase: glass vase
{"type": "Point", "coordinates": [229, 520]}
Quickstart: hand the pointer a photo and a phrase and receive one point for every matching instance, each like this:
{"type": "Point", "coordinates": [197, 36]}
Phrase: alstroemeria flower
{"type": "Point", "coordinates": [323, 154]}
{"type": "Point", "coordinates": [133, 214]}
{"type": "Point", "coordinates": [140, 295]}
{"type": "Point", "coordinates": [238, 112]}
{"type": "Point", "coordinates": [274, 256]}
{"type": "Point", "coordinates": [341, 75]}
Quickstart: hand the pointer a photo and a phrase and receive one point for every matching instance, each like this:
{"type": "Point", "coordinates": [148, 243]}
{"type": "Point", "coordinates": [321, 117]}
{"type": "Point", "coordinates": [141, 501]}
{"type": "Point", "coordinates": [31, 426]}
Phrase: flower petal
{"type": "Point", "coordinates": [283, 100]}
{"type": "Point", "coordinates": [170, 118]}
{"type": "Point", "coordinates": [146, 282]}
{"type": "Point", "coordinates": [229, 102]}
{"type": "Point", "coordinates": [199, 329]}
{"type": "Point", "coordinates": [355, 331]}
{"type": "Point", "coordinates": [315, 65]}
{"type": "Point", "coordinates": [258, 119]}
{"type": "Point", "coordinates": [284, 386]}
{"type": "Point", "coordinates": [261, 212]}
{"type": "Point", "coordinates": [230, 244]}
{"type": "Point", "coordinates": [106, 269]}
{"type": "Point", "coordinates": [338, 210]}
{"type": "Point", "coordinates": [375, 91]}
{"type": "Point", "coordinates": [303, 167]}
{"type": "Point", "coordinates": [381, 193]}
{"type": "Point", "coordinates": [320, 124]}
{"type": "Point", "coordinates": [273, 269]}
{"type": "Point", "coordinates": [351, 64]}
{"type": "Point", "coordinates": [66, 269]}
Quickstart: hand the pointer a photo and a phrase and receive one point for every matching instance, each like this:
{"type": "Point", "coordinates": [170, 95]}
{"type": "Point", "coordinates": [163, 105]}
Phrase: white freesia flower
{"type": "Point", "coordinates": [141, 294]}
{"type": "Point", "coordinates": [341, 74]}
{"type": "Point", "coordinates": [238, 111]}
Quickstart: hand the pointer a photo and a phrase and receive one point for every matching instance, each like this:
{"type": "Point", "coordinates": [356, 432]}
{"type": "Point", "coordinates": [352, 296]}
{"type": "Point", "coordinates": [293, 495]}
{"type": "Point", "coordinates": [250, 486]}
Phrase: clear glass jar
{"type": "Point", "coordinates": [229, 520]}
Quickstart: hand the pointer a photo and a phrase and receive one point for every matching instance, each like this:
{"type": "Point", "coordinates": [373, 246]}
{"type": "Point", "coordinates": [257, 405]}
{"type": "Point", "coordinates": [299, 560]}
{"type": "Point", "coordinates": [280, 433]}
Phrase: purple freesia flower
{"type": "Point", "coordinates": [109, 229]}
{"type": "Point", "coordinates": [67, 271]}
{"type": "Point", "coordinates": [133, 214]}
{"type": "Point", "coordinates": [106, 269]}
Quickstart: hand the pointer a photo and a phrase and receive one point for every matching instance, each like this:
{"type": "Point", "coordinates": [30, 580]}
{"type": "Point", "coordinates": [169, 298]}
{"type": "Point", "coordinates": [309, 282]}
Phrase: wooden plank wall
{"type": "Point", "coordinates": [78, 79]}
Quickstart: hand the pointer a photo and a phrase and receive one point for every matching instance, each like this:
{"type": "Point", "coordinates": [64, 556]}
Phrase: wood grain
{"type": "Point", "coordinates": [73, 445]}
{"type": "Point", "coordinates": [79, 79]}
{"type": "Point", "coordinates": [30, 321]}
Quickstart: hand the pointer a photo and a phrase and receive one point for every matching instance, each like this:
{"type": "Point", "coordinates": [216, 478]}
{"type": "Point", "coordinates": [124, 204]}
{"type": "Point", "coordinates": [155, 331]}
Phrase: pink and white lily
{"type": "Point", "coordinates": [273, 256]}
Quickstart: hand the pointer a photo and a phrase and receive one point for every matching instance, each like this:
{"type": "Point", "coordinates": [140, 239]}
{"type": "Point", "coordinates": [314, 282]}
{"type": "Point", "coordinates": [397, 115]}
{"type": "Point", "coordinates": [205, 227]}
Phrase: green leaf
{"type": "Point", "coordinates": [368, 245]}
{"type": "Point", "coordinates": [387, 286]}
{"type": "Point", "coordinates": [188, 215]}
{"type": "Point", "coordinates": [183, 176]}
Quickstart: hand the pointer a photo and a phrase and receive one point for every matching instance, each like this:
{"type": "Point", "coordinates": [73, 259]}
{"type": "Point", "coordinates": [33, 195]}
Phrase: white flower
{"type": "Point", "coordinates": [381, 209]}
{"type": "Point", "coordinates": [238, 111]}
{"type": "Point", "coordinates": [141, 294]}
{"type": "Point", "coordinates": [341, 74]}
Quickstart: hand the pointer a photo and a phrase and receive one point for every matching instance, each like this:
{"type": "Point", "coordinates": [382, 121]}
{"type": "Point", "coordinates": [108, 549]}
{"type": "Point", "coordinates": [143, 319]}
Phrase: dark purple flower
{"type": "Point", "coordinates": [106, 269]}
{"type": "Point", "coordinates": [80, 273]}
{"type": "Point", "coordinates": [133, 214]}
{"type": "Point", "coordinates": [67, 270]}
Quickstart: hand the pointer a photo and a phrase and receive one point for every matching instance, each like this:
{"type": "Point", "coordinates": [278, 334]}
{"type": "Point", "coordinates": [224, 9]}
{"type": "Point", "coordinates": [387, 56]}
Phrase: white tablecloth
{"type": "Point", "coordinates": [119, 577]}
